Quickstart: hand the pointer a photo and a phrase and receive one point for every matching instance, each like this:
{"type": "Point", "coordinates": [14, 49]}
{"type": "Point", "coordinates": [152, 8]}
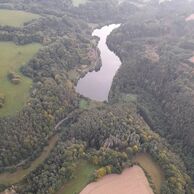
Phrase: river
{"type": "Point", "coordinates": [96, 85]}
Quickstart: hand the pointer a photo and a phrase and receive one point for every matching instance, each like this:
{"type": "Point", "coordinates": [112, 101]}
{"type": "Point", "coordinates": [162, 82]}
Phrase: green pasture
{"type": "Point", "coordinates": [84, 171]}
{"type": "Point", "coordinates": [15, 18]}
{"type": "Point", "coordinates": [12, 58]}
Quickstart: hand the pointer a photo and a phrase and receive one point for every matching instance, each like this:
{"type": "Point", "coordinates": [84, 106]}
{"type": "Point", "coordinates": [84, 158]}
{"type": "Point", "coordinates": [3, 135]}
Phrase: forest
{"type": "Point", "coordinates": [150, 107]}
{"type": "Point", "coordinates": [109, 137]}
{"type": "Point", "coordinates": [158, 70]}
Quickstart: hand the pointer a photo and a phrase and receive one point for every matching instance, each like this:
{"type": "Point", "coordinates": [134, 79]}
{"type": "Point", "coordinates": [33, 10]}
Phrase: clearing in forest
{"type": "Point", "coordinates": [84, 171]}
{"type": "Point", "coordinates": [15, 18]}
{"type": "Point", "coordinates": [14, 86]}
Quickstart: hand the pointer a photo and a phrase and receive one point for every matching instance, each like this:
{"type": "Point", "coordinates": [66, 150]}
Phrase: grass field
{"type": "Point", "coordinates": [152, 168]}
{"type": "Point", "coordinates": [78, 2]}
{"type": "Point", "coordinates": [15, 18]}
{"type": "Point", "coordinates": [84, 171]}
{"type": "Point", "coordinates": [12, 57]}
{"type": "Point", "coordinates": [89, 104]}
{"type": "Point", "coordinates": [83, 104]}
{"type": "Point", "coordinates": [12, 178]}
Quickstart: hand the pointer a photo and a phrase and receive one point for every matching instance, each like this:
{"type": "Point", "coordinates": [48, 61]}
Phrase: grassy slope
{"type": "Point", "coordinates": [12, 178]}
{"type": "Point", "coordinates": [78, 2]}
{"type": "Point", "coordinates": [15, 18]}
{"type": "Point", "coordinates": [12, 58]}
{"type": "Point", "coordinates": [84, 171]}
{"type": "Point", "coordinates": [152, 168]}
{"type": "Point", "coordinates": [83, 104]}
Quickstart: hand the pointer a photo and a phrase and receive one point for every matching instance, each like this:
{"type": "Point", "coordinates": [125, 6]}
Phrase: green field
{"type": "Point", "coordinates": [83, 104]}
{"type": "Point", "coordinates": [152, 168]}
{"type": "Point", "coordinates": [84, 171]}
{"type": "Point", "coordinates": [78, 2]}
{"type": "Point", "coordinates": [12, 57]}
{"type": "Point", "coordinates": [15, 18]}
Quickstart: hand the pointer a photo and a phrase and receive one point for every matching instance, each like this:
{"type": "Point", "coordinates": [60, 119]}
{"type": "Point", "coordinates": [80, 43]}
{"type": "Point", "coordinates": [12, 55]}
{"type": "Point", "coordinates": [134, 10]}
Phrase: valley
{"type": "Point", "coordinates": [96, 97]}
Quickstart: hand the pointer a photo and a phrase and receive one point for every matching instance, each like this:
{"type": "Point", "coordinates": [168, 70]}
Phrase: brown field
{"type": "Point", "coordinates": [191, 59]}
{"type": "Point", "coordinates": [131, 181]}
{"type": "Point", "coordinates": [189, 18]}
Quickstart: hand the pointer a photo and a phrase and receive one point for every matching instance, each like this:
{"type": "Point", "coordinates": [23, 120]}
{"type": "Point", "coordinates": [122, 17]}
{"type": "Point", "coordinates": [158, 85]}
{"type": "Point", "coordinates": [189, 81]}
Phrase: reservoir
{"type": "Point", "coordinates": [96, 85]}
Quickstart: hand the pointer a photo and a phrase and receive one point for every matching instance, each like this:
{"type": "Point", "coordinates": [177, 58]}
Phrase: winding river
{"type": "Point", "coordinates": [96, 85]}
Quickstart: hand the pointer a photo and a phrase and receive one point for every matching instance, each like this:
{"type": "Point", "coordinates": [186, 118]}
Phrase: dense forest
{"type": "Point", "coordinates": [54, 70]}
{"type": "Point", "coordinates": [157, 69]}
{"type": "Point", "coordinates": [52, 96]}
{"type": "Point", "coordinates": [150, 108]}
{"type": "Point", "coordinates": [109, 137]}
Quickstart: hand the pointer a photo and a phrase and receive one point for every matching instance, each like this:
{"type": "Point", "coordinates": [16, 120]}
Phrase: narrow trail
{"type": "Point", "coordinates": [9, 178]}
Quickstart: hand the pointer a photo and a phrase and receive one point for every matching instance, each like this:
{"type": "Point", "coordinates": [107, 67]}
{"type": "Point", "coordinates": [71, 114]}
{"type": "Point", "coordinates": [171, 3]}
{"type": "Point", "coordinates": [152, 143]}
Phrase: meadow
{"type": "Point", "coordinates": [84, 171]}
{"type": "Point", "coordinates": [152, 168]}
{"type": "Point", "coordinates": [13, 57]}
{"type": "Point", "coordinates": [15, 18]}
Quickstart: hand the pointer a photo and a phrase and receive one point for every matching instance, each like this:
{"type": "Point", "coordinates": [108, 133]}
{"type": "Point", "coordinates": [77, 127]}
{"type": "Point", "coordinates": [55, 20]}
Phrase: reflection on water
{"type": "Point", "coordinates": [96, 85]}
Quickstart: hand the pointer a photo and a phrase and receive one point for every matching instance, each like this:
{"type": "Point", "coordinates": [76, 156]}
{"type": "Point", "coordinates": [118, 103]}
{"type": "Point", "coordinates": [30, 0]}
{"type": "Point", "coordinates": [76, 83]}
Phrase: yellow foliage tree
{"type": "Point", "coordinates": [109, 169]}
{"type": "Point", "coordinates": [101, 172]}
{"type": "Point", "coordinates": [135, 149]}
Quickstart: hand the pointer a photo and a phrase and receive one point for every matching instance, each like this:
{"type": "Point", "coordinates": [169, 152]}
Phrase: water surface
{"type": "Point", "coordinates": [96, 85]}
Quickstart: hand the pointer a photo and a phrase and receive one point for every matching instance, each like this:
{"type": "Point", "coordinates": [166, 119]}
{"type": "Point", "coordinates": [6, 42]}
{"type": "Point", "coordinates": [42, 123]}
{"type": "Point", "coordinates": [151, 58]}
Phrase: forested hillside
{"type": "Point", "coordinates": [157, 69]}
{"type": "Point", "coordinates": [52, 97]}
{"type": "Point", "coordinates": [108, 137]}
{"type": "Point", "coordinates": [67, 44]}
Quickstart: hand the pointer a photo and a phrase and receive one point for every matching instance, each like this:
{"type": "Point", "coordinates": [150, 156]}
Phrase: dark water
{"type": "Point", "coordinates": [96, 85]}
